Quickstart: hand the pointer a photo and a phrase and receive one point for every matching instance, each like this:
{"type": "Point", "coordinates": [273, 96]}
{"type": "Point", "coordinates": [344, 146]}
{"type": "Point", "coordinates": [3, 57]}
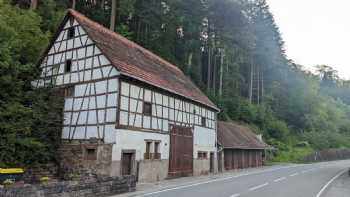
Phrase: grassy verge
{"type": "Point", "coordinates": [292, 154]}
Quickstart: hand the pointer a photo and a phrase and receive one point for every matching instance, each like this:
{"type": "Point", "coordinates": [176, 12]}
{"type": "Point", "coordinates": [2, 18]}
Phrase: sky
{"type": "Point", "coordinates": [315, 32]}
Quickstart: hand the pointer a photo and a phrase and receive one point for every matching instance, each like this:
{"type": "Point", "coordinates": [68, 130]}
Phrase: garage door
{"type": "Point", "coordinates": [181, 151]}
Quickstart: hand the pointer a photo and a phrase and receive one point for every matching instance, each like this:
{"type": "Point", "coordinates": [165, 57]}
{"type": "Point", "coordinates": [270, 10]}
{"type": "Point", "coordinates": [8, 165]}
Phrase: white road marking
{"type": "Point", "coordinates": [235, 195]}
{"type": "Point", "coordinates": [295, 174]}
{"type": "Point", "coordinates": [329, 182]}
{"type": "Point", "coordinates": [279, 179]}
{"type": "Point", "coordinates": [310, 170]}
{"type": "Point", "coordinates": [219, 179]}
{"type": "Point", "coordinates": [258, 187]}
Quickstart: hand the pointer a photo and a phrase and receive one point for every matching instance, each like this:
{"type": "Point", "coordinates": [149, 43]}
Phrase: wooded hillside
{"type": "Point", "coordinates": [232, 49]}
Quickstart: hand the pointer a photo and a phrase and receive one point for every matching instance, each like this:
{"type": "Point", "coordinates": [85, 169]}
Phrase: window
{"type": "Point", "coordinates": [91, 154]}
{"type": "Point", "coordinates": [203, 121]}
{"type": "Point", "coordinates": [148, 150]}
{"type": "Point", "coordinates": [69, 91]}
{"type": "Point", "coordinates": [71, 33]}
{"type": "Point", "coordinates": [68, 66]}
{"type": "Point", "coordinates": [152, 155]}
{"type": "Point", "coordinates": [156, 147]}
{"type": "Point", "coordinates": [202, 155]}
{"type": "Point", "coordinates": [156, 150]}
{"type": "Point", "coordinates": [147, 109]}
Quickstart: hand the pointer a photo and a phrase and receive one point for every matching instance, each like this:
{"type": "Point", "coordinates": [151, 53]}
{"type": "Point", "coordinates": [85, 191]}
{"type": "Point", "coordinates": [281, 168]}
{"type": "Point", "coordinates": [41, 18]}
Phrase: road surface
{"type": "Point", "coordinates": [310, 180]}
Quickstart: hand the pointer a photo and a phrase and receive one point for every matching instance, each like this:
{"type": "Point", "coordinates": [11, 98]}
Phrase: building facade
{"type": "Point", "coordinates": [126, 111]}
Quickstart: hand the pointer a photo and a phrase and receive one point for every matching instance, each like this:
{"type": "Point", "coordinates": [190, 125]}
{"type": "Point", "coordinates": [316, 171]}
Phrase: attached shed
{"type": "Point", "coordinates": [240, 147]}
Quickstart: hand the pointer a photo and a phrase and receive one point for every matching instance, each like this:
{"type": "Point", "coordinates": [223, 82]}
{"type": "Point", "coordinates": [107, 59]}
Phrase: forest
{"type": "Point", "coordinates": [232, 49]}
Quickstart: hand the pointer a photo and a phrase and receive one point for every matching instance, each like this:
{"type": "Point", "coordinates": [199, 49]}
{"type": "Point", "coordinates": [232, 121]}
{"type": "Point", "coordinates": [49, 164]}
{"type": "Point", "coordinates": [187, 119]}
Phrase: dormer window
{"type": "Point", "coordinates": [71, 33]}
{"type": "Point", "coordinates": [68, 66]}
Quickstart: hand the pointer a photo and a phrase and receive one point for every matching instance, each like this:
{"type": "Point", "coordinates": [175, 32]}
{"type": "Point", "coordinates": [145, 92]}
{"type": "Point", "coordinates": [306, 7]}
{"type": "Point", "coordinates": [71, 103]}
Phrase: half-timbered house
{"type": "Point", "coordinates": [239, 146]}
{"type": "Point", "coordinates": [127, 111]}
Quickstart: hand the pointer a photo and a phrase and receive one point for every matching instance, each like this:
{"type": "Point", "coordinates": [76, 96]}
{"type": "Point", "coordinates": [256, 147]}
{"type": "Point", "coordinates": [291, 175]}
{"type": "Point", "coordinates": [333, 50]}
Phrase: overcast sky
{"type": "Point", "coordinates": [315, 32]}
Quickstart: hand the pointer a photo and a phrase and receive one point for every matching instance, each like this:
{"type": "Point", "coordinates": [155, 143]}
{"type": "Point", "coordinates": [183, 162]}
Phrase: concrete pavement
{"type": "Point", "coordinates": [276, 181]}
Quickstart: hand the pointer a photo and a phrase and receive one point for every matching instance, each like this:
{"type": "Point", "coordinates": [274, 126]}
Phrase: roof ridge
{"type": "Point", "coordinates": [242, 133]}
{"type": "Point", "coordinates": [122, 38]}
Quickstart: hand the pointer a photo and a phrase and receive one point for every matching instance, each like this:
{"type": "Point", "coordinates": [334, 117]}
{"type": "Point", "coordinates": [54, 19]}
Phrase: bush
{"type": "Point", "coordinates": [277, 129]}
{"type": "Point", "coordinates": [289, 153]}
{"type": "Point", "coordinates": [326, 139]}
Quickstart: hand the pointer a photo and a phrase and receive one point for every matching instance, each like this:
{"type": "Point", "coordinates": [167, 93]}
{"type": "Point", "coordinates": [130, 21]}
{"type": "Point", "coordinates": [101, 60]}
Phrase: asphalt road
{"type": "Point", "coordinates": [309, 180]}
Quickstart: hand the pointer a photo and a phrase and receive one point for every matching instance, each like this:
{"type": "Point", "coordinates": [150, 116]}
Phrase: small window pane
{"type": "Point", "coordinates": [147, 109]}
{"type": "Point", "coordinates": [71, 33]}
{"type": "Point", "coordinates": [156, 150]}
{"type": "Point", "coordinates": [156, 147]}
{"type": "Point", "coordinates": [68, 66]}
{"type": "Point", "coordinates": [91, 154]}
{"type": "Point", "coordinates": [147, 154]}
{"type": "Point", "coordinates": [203, 122]}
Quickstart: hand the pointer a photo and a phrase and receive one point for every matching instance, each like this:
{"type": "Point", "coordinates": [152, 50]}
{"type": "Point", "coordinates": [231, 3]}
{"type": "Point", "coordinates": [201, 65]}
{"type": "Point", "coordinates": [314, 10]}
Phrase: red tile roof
{"type": "Point", "coordinates": [139, 63]}
{"type": "Point", "coordinates": [234, 136]}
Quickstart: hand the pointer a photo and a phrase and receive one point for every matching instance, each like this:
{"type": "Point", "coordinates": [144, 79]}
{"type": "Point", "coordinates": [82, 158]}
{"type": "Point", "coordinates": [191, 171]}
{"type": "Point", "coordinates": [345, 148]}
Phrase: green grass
{"type": "Point", "coordinates": [292, 154]}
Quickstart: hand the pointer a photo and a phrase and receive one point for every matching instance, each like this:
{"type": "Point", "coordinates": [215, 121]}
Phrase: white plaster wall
{"type": "Point", "coordinates": [135, 140]}
{"type": "Point", "coordinates": [203, 140]}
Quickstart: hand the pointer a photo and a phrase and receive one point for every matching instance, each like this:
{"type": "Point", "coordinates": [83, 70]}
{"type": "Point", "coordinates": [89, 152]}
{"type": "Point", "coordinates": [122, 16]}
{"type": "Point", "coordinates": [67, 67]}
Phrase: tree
{"type": "Point", "coordinates": [329, 77]}
{"type": "Point", "coordinates": [113, 15]}
{"type": "Point", "coordinates": [33, 4]}
{"type": "Point", "coordinates": [26, 137]}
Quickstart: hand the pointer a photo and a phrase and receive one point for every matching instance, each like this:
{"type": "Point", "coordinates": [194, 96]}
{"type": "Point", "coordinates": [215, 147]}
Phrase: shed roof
{"type": "Point", "coordinates": [234, 136]}
{"type": "Point", "coordinates": [138, 63]}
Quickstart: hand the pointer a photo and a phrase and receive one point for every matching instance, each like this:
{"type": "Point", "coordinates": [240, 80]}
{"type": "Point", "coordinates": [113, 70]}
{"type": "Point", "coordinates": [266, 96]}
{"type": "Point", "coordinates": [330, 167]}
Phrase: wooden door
{"type": "Point", "coordinates": [220, 161]}
{"type": "Point", "coordinates": [240, 157]}
{"type": "Point", "coordinates": [227, 159]}
{"type": "Point", "coordinates": [127, 163]}
{"type": "Point", "coordinates": [234, 159]}
{"type": "Point", "coordinates": [211, 162]}
{"type": "Point", "coordinates": [181, 151]}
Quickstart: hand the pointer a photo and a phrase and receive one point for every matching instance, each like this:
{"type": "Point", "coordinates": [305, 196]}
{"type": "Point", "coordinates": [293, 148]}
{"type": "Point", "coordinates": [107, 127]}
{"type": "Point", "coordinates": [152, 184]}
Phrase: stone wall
{"type": "Point", "coordinates": [105, 186]}
{"type": "Point", "coordinates": [33, 174]}
{"type": "Point", "coordinates": [73, 158]}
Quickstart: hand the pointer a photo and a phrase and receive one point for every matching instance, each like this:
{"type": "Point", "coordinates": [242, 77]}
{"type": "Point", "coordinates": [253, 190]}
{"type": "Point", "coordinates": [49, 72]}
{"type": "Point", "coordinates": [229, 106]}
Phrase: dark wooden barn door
{"type": "Point", "coordinates": [240, 158]}
{"type": "Point", "coordinates": [227, 159]}
{"type": "Point", "coordinates": [127, 163]}
{"type": "Point", "coordinates": [220, 161]}
{"type": "Point", "coordinates": [211, 162]}
{"type": "Point", "coordinates": [181, 151]}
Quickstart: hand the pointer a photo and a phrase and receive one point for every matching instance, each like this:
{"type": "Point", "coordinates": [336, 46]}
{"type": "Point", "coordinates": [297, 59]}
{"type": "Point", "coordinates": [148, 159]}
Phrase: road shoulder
{"type": "Point", "coordinates": [340, 187]}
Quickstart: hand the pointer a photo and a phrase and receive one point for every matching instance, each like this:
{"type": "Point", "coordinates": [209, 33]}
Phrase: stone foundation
{"type": "Point", "coordinates": [100, 187]}
{"type": "Point", "coordinates": [75, 159]}
{"type": "Point", "coordinates": [115, 168]}
{"type": "Point", "coordinates": [201, 167]}
{"type": "Point", "coordinates": [153, 170]}
{"type": "Point", "coordinates": [33, 174]}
